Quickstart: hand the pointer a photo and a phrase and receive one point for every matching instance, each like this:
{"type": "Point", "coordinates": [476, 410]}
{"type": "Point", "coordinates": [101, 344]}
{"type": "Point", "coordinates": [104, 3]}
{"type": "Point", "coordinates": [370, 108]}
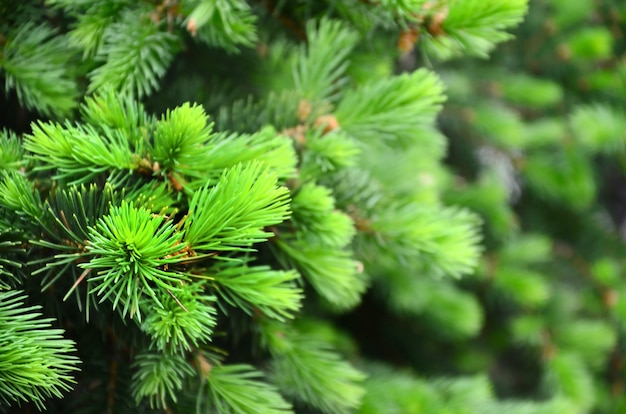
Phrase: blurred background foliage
{"type": "Point", "coordinates": [537, 139]}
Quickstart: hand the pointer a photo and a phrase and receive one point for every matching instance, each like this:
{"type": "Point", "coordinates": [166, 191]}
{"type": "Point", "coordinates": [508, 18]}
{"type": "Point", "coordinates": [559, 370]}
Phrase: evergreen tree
{"type": "Point", "coordinates": [240, 206]}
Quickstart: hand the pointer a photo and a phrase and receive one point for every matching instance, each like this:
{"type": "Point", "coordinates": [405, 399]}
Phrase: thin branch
{"type": "Point", "coordinates": [77, 282]}
{"type": "Point", "coordinates": [177, 301]}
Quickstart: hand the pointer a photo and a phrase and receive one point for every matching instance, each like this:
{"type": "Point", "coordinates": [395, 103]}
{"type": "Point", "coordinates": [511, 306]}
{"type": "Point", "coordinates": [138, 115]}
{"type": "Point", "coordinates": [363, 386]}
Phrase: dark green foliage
{"type": "Point", "coordinates": [34, 65]}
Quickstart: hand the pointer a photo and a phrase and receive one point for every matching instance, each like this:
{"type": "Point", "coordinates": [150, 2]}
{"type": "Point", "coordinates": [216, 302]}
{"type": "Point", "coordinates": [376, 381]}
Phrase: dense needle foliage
{"type": "Point", "coordinates": [231, 206]}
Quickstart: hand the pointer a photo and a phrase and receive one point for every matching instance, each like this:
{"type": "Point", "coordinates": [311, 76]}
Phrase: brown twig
{"type": "Point", "coordinates": [111, 388]}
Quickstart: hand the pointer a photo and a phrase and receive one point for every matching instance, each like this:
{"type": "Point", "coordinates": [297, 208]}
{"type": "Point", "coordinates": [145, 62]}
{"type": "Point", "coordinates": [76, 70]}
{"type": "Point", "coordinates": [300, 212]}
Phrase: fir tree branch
{"type": "Point", "coordinates": [319, 68]}
{"type": "Point", "coordinates": [180, 139]}
{"type": "Point", "coordinates": [391, 109]}
{"type": "Point", "coordinates": [239, 389]}
{"type": "Point", "coordinates": [231, 214]}
{"type": "Point", "coordinates": [273, 150]}
{"type": "Point", "coordinates": [295, 27]}
{"type": "Point", "coordinates": [333, 273]}
{"type": "Point", "coordinates": [78, 153]}
{"type": "Point", "coordinates": [36, 362]}
{"type": "Point", "coordinates": [159, 377]}
{"type": "Point", "coordinates": [250, 115]}
{"type": "Point", "coordinates": [259, 288]}
{"type": "Point", "coordinates": [33, 62]}
{"type": "Point", "coordinates": [12, 255]}
{"type": "Point", "coordinates": [134, 56]}
{"type": "Point", "coordinates": [316, 220]}
{"type": "Point", "coordinates": [569, 377]}
{"type": "Point", "coordinates": [17, 194]}
{"type": "Point", "coordinates": [444, 240]}
{"type": "Point", "coordinates": [403, 8]}
{"type": "Point", "coordinates": [186, 319]}
{"type": "Point", "coordinates": [227, 24]}
{"type": "Point", "coordinates": [132, 249]}
{"type": "Point", "coordinates": [325, 153]}
{"type": "Point", "coordinates": [307, 370]}
{"type": "Point", "coordinates": [11, 151]}
{"type": "Point", "coordinates": [471, 27]}
{"type": "Point", "coordinates": [108, 109]}
{"type": "Point", "coordinates": [93, 19]}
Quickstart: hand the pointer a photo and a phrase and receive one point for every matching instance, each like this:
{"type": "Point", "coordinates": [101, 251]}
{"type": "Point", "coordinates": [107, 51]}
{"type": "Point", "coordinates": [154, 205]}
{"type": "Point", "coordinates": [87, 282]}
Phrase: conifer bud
{"type": "Point", "coordinates": [304, 110]}
{"type": "Point", "coordinates": [435, 25]}
{"type": "Point", "coordinates": [192, 27]}
{"type": "Point", "coordinates": [328, 122]}
{"type": "Point", "coordinates": [407, 40]}
{"type": "Point", "coordinates": [204, 367]}
{"type": "Point", "coordinates": [611, 297]}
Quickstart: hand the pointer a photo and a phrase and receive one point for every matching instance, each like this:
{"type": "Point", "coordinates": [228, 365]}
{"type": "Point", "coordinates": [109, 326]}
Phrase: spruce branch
{"type": "Point", "coordinates": [134, 56]}
{"type": "Point", "coordinates": [591, 339]}
{"type": "Point", "coordinates": [112, 110]}
{"type": "Point", "coordinates": [309, 371]}
{"type": "Point", "coordinates": [227, 24]}
{"type": "Point", "coordinates": [78, 153]}
{"type": "Point", "coordinates": [458, 311]}
{"type": "Point", "coordinates": [232, 213]}
{"type": "Point", "coordinates": [239, 389]}
{"type": "Point", "coordinates": [334, 274]}
{"type": "Point", "coordinates": [390, 391]}
{"type": "Point", "coordinates": [250, 114]}
{"type": "Point", "coordinates": [11, 151]}
{"type": "Point", "coordinates": [391, 108]}
{"type": "Point", "coordinates": [275, 8]}
{"type": "Point", "coordinates": [69, 232]}
{"type": "Point", "coordinates": [184, 143]}
{"type": "Point", "coordinates": [403, 7]}
{"type": "Point", "coordinates": [159, 377]}
{"type": "Point", "coordinates": [155, 196]}
{"type": "Point", "coordinates": [18, 195]}
{"type": "Point", "coordinates": [259, 288]}
{"type": "Point", "coordinates": [177, 231]}
{"type": "Point", "coordinates": [36, 362]}
{"type": "Point", "coordinates": [73, 210]}
{"type": "Point", "coordinates": [266, 145]}
{"type": "Point", "coordinates": [396, 392]}
{"type": "Point", "coordinates": [33, 62]}
{"type": "Point", "coordinates": [444, 239]}
{"type": "Point", "coordinates": [325, 153]}
{"type": "Point", "coordinates": [564, 175]}
{"type": "Point", "coordinates": [524, 286]}
{"type": "Point", "coordinates": [12, 255]}
{"type": "Point", "coordinates": [568, 376]}
{"type": "Point", "coordinates": [185, 320]}
{"type": "Point", "coordinates": [180, 139]}
{"type": "Point", "coordinates": [471, 27]}
{"type": "Point", "coordinates": [319, 68]}
{"type": "Point", "coordinates": [93, 19]}
{"type": "Point", "coordinates": [599, 127]}
{"type": "Point", "coordinates": [317, 221]}
{"type": "Point", "coordinates": [132, 249]}
{"type": "Point", "coordinates": [358, 193]}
